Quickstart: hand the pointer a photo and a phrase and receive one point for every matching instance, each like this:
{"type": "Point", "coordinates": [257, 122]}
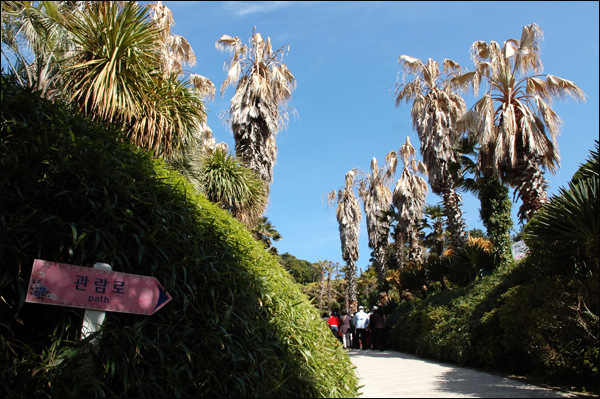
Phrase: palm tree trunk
{"type": "Point", "coordinates": [321, 287]}
{"type": "Point", "coordinates": [415, 252]}
{"type": "Point", "coordinates": [530, 185]}
{"type": "Point", "coordinates": [351, 281]}
{"type": "Point", "coordinates": [379, 261]}
{"type": "Point", "coordinates": [399, 244]}
{"type": "Point", "coordinates": [329, 288]}
{"type": "Point", "coordinates": [453, 213]}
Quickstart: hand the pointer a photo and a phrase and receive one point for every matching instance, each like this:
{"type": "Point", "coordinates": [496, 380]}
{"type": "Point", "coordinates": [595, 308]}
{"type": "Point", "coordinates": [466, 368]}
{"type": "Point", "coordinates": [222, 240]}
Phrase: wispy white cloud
{"type": "Point", "coordinates": [242, 8]}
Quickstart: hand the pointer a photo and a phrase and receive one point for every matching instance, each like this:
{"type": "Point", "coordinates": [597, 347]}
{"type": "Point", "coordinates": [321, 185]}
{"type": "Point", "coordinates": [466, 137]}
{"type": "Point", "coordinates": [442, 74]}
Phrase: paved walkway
{"type": "Point", "coordinates": [393, 374]}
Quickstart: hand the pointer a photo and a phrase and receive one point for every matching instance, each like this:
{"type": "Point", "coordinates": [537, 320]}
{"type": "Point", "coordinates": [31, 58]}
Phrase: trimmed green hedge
{"type": "Point", "coordinates": [75, 193]}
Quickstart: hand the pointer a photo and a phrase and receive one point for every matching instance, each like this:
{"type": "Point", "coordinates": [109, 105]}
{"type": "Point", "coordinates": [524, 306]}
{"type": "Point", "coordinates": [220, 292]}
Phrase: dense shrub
{"type": "Point", "coordinates": [521, 319]}
{"type": "Point", "coordinates": [237, 326]}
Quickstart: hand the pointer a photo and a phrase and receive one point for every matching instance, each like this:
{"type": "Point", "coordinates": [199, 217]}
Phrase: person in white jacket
{"type": "Point", "coordinates": [361, 320]}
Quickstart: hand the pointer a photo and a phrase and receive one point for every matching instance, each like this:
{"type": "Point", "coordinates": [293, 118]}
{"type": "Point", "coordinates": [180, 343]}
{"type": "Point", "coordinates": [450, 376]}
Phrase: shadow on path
{"type": "Point", "coordinates": [395, 375]}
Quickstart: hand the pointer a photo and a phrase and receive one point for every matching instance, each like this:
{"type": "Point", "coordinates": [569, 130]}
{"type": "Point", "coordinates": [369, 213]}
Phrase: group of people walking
{"type": "Point", "coordinates": [358, 330]}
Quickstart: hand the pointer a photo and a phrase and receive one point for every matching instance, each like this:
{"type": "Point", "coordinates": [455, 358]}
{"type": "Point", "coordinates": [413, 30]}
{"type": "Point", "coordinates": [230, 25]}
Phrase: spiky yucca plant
{"type": "Point", "coordinates": [573, 214]}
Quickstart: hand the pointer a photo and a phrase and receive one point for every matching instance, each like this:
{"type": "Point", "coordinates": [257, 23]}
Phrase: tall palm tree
{"type": "Point", "coordinates": [257, 111]}
{"type": "Point", "coordinates": [409, 198]}
{"type": "Point", "coordinates": [377, 197]}
{"type": "Point", "coordinates": [349, 217]}
{"type": "Point", "coordinates": [435, 110]}
{"type": "Point", "coordinates": [515, 125]}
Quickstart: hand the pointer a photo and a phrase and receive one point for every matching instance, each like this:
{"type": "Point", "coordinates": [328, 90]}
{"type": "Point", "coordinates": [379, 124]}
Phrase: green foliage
{"type": "Point", "coordinates": [469, 262]}
{"type": "Point", "coordinates": [495, 213]}
{"type": "Point", "coordinates": [413, 279]}
{"type": "Point", "coordinates": [437, 269]}
{"type": "Point", "coordinates": [512, 321]}
{"type": "Point", "coordinates": [301, 270]}
{"type": "Point", "coordinates": [237, 326]}
{"type": "Point", "coordinates": [573, 214]}
{"type": "Point", "coordinates": [540, 316]}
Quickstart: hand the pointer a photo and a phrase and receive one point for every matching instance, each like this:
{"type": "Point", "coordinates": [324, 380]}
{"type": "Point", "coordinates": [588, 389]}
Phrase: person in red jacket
{"type": "Point", "coordinates": [334, 323]}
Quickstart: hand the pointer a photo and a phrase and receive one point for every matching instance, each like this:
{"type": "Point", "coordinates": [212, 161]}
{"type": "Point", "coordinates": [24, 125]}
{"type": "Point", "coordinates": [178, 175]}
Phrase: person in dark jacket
{"type": "Point", "coordinates": [377, 327]}
{"type": "Point", "coordinates": [345, 329]}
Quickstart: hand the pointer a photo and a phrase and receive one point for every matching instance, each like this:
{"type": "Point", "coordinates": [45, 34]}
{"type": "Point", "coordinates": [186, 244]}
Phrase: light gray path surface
{"type": "Point", "coordinates": [393, 374]}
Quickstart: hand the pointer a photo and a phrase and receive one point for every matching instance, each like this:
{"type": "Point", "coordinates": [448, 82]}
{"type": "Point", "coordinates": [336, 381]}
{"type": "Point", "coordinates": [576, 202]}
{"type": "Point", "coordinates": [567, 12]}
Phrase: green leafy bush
{"type": "Point", "coordinates": [521, 319]}
{"type": "Point", "coordinates": [237, 326]}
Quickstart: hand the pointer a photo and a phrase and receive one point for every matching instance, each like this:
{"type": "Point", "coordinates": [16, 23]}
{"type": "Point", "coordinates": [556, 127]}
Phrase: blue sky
{"type": "Point", "coordinates": [344, 56]}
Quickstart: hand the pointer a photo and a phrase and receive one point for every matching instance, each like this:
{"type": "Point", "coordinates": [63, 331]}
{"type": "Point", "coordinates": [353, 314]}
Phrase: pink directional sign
{"type": "Point", "coordinates": [84, 287]}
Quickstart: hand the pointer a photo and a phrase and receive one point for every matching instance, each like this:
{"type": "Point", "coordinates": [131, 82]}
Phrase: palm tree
{"type": "Point", "coordinates": [257, 111]}
{"type": "Point", "coordinates": [409, 198]}
{"type": "Point", "coordinates": [377, 197]}
{"type": "Point", "coordinates": [33, 44]}
{"type": "Point", "coordinates": [176, 51]}
{"type": "Point", "coordinates": [513, 118]}
{"type": "Point", "coordinates": [435, 110]}
{"type": "Point", "coordinates": [349, 217]}
{"type": "Point", "coordinates": [495, 209]}
{"type": "Point", "coordinates": [264, 232]}
{"type": "Point", "coordinates": [573, 213]}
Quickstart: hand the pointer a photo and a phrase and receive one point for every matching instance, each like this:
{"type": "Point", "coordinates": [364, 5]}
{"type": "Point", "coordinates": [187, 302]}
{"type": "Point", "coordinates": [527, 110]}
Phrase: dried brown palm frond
{"type": "Point", "coordinates": [349, 217]}
{"type": "Point", "coordinates": [409, 199]}
{"type": "Point", "coordinates": [514, 121]}
{"type": "Point", "coordinates": [435, 112]}
{"type": "Point", "coordinates": [175, 49]}
{"type": "Point", "coordinates": [377, 197]}
{"type": "Point", "coordinates": [259, 106]}
{"type": "Point", "coordinates": [203, 86]}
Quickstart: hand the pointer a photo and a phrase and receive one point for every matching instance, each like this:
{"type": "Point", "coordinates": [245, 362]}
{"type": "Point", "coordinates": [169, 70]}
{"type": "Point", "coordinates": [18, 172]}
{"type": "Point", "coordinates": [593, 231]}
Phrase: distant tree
{"type": "Point", "coordinates": [264, 232]}
{"type": "Point", "coordinates": [477, 233]}
{"type": "Point", "coordinates": [409, 198]}
{"type": "Point", "coordinates": [301, 270]}
{"type": "Point", "coordinates": [377, 197]}
{"type": "Point", "coordinates": [434, 222]}
{"type": "Point", "coordinates": [349, 216]}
